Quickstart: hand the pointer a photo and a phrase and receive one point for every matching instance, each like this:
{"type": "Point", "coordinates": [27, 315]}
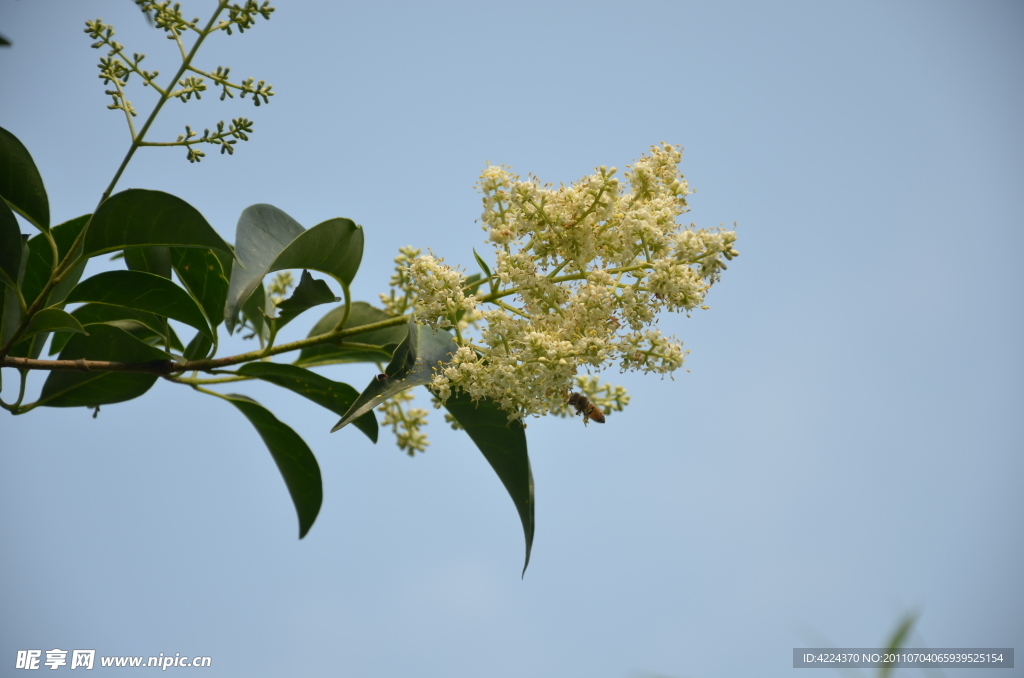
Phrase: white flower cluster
{"type": "Point", "coordinates": [439, 291]}
{"type": "Point", "coordinates": [581, 273]}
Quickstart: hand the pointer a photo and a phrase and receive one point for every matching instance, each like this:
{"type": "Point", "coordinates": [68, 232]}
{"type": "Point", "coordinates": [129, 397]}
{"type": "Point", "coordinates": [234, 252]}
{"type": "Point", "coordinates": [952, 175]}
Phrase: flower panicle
{"type": "Point", "coordinates": [581, 274]}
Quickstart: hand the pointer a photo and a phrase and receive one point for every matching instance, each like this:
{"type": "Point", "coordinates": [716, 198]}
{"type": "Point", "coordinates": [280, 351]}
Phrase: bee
{"type": "Point", "coordinates": [588, 409]}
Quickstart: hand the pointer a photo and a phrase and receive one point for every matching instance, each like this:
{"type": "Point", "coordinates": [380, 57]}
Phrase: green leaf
{"type": "Point", "coordinates": [503, 444]}
{"type": "Point", "coordinates": [335, 396]}
{"type": "Point", "coordinates": [143, 292]}
{"type": "Point", "coordinates": [155, 260]}
{"type": "Point", "coordinates": [37, 269]}
{"type": "Point", "coordinates": [256, 309]}
{"type": "Point", "coordinates": [412, 365]}
{"type": "Point", "coordinates": [202, 274]}
{"type": "Point", "coordinates": [309, 293]}
{"type": "Point", "coordinates": [199, 347]}
{"type": "Point", "coordinates": [139, 218]}
{"type": "Point", "coordinates": [334, 247]}
{"type": "Point", "coordinates": [269, 240]}
{"type": "Point", "coordinates": [40, 261]}
{"type": "Point", "coordinates": [143, 326]}
{"type": "Point", "coordinates": [480, 280]}
{"type": "Point", "coordinates": [483, 264]}
{"type": "Point", "coordinates": [11, 317]}
{"type": "Point", "coordinates": [53, 320]}
{"type": "Point", "coordinates": [293, 457]}
{"type": "Point", "coordinates": [10, 246]}
{"type": "Point", "coordinates": [89, 389]}
{"type": "Point", "coordinates": [376, 346]}
{"type": "Point", "coordinates": [263, 232]}
{"type": "Point", "coordinates": [20, 183]}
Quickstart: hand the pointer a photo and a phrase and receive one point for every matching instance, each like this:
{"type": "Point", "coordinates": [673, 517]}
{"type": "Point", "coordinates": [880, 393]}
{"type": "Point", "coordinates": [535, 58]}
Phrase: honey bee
{"type": "Point", "coordinates": [588, 409]}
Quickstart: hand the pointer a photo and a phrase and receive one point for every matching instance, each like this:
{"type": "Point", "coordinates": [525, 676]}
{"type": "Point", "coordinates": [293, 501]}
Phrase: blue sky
{"type": "Point", "coordinates": [842, 451]}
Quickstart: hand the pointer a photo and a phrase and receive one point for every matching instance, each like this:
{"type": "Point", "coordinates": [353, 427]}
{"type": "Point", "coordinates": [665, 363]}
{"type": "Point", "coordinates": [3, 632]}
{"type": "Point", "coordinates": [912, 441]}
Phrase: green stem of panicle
{"type": "Point", "coordinates": [137, 140]}
{"type": "Point", "coordinates": [72, 257]}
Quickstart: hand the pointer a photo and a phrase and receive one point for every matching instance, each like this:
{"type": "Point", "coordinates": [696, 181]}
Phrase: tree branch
{"type": "Point", "coordinates": [206, 365]}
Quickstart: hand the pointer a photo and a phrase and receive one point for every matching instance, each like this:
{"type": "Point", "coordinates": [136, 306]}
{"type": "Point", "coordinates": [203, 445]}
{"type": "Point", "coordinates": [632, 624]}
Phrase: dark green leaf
{"type": "Point", "coordinates": [412, 365]}
{"type": "Point", "coordinates": [40, 261]}
{"type": "Point", "coordinates": [310, 292]}
{"type": "Point", "coordinates": [155, 260]}
{"type": "Point", "coordinates": [139, 218]}
{"type": "Point", "coordinates": [11, 317]}
{"type": "Point", "coordinates": [89, 389]}
{"type": "Point", "coordinates": [263, 232]}
{"type": "Point", "coordinates": [293, 457]}
{"type": "Point", "coordinates": [503, 444]}
{"type": "Point", "coordinates": [269, 240]}
{"type": "Point", "coordinates": [334, 247]}
{"type": "Point", "coordinates": [37, 269]}
{"type": "Point", "coordinates": [202, 274]}
{"type": "Point", "coordinates": [10, 246]}
{"type": "Point", "coordinates": [256, 308]}
{"type": "Point", "coordinates": [142, 292]}
{"type": "Point", "coordinates": [199, 347]}
{"type": "Point", "coordinates": [143, 326]}
{"type": "Point", "coordinates": [333, 395]}
{"type": "Point", "coordinates": [53, 320]}
{"type": "Point", "coordinates": [381, 342]}
{"type": "Point", "coordinates": [20, 183]}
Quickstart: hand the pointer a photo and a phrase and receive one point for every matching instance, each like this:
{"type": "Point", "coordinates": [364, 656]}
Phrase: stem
{"type": "Point", "coordinates": [124, 107]}
{"type": "Point", "coordinates": [71, 258]}
{"type": "Point", "coordinates": [15, 406]}
{"type": "Point", "coordinates": [167, 367]}
{"type": "Point", "coordinates": [490, 298]}
{"type": "Point", "coordinates": [186, 60]}
{"type": "Point", "coordinates": [193, 381]}
{"type": "Point", "coordinates": [348, 305]}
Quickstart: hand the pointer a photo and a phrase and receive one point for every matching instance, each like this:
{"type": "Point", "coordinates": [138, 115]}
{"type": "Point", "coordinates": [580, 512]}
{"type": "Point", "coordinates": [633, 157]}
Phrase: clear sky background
{"type": "Point", "coordinates": [844, 449]}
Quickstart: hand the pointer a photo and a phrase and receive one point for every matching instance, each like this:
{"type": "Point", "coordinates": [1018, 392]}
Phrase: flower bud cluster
{"type": "Point", "coordinates": [405, 422]}
{"type": "Point", "coordinates": [581, 273]}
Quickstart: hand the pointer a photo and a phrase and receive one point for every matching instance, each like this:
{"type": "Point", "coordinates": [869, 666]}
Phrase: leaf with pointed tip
{"type": "Point", "coordinates": [202, 273]}
{"type": "Point", "coordinates": [335, 396]}
{"type": "Point", "coordinates": [503, 444]}
{"type": "Point", "coordinates": [375, 346]}
{"type": "Point", "coordinates": [293, 457]}
{"type": "Point", "coordinates": [20, 184]}
{"type": "Point", "coordinates": [89, 389]}
{"type": "Point", "coordinates": [155, 260]}
{"type": "Point", "coordinates": [309, 293]}
{"type": "Point", "coordinates": [269, 240]}
{"type": "Point", "coordinates": [141, 218]}
{"type": "Point", "coordinates": [412, 365]}
{"type": "Point", "coordinates": [10, 246]}
{"type": "Point", "coordinates": [52, 320]}
{"type": "Point", "coordinates": [143, 292]}
{"type": "Point", "coordinates": [487, 271]}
